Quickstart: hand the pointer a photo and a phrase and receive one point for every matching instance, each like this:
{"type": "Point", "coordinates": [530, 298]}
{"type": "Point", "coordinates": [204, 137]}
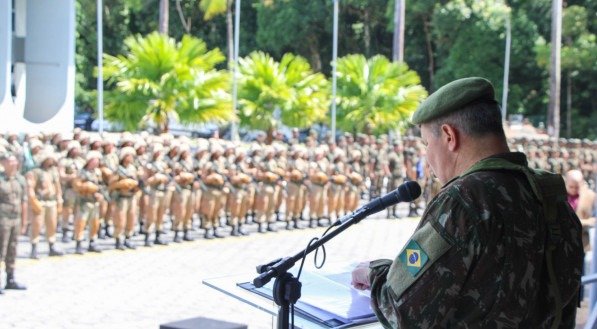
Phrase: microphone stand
{"type": "Point", "coordinates": [287, 288]}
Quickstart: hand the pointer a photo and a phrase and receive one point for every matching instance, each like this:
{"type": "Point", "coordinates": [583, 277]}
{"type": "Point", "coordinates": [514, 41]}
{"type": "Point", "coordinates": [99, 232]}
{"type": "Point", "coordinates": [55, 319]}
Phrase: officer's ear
{"type": "Point", "coordinates": [450, 136]}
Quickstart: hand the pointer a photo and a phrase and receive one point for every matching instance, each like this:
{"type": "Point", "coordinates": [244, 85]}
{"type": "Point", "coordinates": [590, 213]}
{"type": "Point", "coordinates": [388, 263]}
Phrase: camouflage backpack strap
{"type": "Point", "coordinates": [552, 189]}
{"type": "Point", "coordinates": [549, 189]}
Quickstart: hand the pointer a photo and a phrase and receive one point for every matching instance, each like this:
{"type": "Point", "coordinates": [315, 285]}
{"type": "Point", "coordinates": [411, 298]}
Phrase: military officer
{"type": "Point", "coordinates": [13, 205]}
{"type": "Point", "coordinates": [157, 179]}
{"type": "Point", "coordinates": [297, 169]}
{"type": "Point", "coordinates": [45, 198]}
{"type": "Point", "coordinates": [238, 199]}
{"type": "Point", "coordinates": [337, 187]}
{"type": "Point", "coordinates": [182, 200]}
{"type": "Point", "coordinates": [69, 167]}
{"type": "Point", "coordinates": [211, 200]}
{"type": "Point", "coordinates": [124, 185]}
{"type": "Point", "coordinates": [318, 179]}
{"type": "Point", "coordinates": [397, 172]}
{"type": "Point", "coordinates": [265, 199]}
{"type": "Point", "coordinates": [484, 253]}
{"type": "Point", "coordinates": [87, 186]}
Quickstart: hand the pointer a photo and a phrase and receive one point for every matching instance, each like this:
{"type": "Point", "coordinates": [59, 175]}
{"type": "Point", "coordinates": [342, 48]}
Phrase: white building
{"type": "Point", "coordinates": [37, 65]}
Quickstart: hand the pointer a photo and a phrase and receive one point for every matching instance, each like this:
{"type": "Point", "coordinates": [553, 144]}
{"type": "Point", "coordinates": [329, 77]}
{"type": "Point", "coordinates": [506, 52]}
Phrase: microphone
{"type": "Point", "coordinates": [406, 192]}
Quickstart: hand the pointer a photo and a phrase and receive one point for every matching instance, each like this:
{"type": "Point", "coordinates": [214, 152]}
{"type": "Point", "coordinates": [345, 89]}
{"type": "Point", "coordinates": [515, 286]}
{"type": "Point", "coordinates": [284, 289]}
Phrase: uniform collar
{"type": "Point", "coordinates": [517, 158]}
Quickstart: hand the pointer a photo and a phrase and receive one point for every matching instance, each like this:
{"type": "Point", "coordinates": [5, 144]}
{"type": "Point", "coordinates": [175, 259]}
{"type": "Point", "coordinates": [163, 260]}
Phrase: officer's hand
{"type": "Point", "coordinates": [360, 276]}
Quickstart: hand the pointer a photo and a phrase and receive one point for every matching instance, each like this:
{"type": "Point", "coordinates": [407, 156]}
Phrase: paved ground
{"type": "Point", "coordinates": [150, 286]}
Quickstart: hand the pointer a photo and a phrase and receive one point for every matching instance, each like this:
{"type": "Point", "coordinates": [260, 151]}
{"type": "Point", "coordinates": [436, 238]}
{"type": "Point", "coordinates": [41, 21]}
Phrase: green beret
{"type": "Point", "coordinates": [452, 97]}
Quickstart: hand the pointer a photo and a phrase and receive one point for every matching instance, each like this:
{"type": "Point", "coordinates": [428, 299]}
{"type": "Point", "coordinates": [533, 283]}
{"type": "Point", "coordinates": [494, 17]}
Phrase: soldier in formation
{"type": "Point", "coordinates": [121, 184]}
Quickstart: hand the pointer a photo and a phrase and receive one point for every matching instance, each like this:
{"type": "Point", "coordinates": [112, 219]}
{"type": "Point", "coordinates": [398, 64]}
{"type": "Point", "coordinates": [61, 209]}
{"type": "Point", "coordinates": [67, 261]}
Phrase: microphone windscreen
{"type": "Point", "coordinates": [409, 191]}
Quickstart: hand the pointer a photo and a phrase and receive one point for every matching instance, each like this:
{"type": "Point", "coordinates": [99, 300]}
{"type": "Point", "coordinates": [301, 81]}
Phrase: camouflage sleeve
{"type": "Point", "coordinates": [422, 283]}
{"type": "Point", "coordinates": [377, 277]}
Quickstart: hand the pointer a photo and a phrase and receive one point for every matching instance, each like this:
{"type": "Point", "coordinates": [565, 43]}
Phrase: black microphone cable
{"type": "Point", "coordinates": [314, 261]}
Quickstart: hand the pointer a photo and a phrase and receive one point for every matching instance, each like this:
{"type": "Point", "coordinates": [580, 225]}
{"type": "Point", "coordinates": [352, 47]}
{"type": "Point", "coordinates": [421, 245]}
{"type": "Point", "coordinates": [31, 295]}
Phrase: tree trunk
{"type": "Point", "coordinates": [553, 114]}
{"type": "Point", "coordinates": [314, 54]}
{"type": "Point", "coordinates": [164, 17]}
{"type": "Point", "coordinates": [367, 32]}
{"type": "Point", "coordinates": [270, 136]}
{"type": "Point", "coordinates": [431, 63]}
{"type": "Point", "coordinates": [229, 31]}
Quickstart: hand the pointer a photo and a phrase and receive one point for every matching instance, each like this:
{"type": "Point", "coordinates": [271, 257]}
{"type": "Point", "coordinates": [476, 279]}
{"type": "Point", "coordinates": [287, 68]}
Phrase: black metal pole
{"type": "Point", "coordinates": [282, 266]}
{"type": "Point", "coordinates": [287, 288]}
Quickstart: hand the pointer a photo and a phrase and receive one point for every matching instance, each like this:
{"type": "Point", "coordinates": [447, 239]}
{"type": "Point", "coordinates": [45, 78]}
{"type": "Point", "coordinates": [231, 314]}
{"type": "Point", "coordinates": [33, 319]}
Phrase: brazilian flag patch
{"type": "Point", "coordinates": [414, 257]}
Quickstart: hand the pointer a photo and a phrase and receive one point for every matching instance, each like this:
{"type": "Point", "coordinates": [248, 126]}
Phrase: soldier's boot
{"type": "Point", "coordinates": [79, 248]}
{"type": "Point", "coordinates": [118, 245]}
{"type": "Point", "coordinates": [93, 247]}
{"type": "Point", "coordinates": [271, 227]}
{"type": "Point", "coordinates": [216, 234]}
{"type": "Point", "coordinates": [413, 210]}
{"type": "Point", "coordinates": [241, 231]}
{"type": "Point", "coordinates": [107, 231]}
{"type": "Point", "coordinates": [128, 243]}
{"type": "Point", "coordinates": [326, 222]}
{"type": "Point", "coordinates": [11, 284]}
{"type": "Point", "coordinates": [296, 224]}
{"type": "Point", "coordinates": [235, 231]}
{"type": "Point", "coordinates": [142, 226]}
{"type": "Point", "coordinates": [312, 222]}
{"type": "Point", "coordinates": [278, 219]}
{"type": "Point", "coordinates": [54, 252]}
{"type": "Point", "coordinates": [147, 242]}
{"type": "Point", "coordinates": [101, 234]}
{"type": "Point", "coordinates": [65, 237]}
{"type": "Point", "coordinates": [247, 218]}
{"type": "Point", "coordinates": [159, 240]}
{"type": "Point", "coordinates": [187, 236]}
{"type": "Point", "coordinates": [34, 254]}
{"type": "Point", "coordinates": [289, 225]}
{"type": "Point", "coordinates": [209, 234]}
{"type": "Point", "coordinates": [261, 228]}
{"type": "Point", "coordinates": [177, 237]}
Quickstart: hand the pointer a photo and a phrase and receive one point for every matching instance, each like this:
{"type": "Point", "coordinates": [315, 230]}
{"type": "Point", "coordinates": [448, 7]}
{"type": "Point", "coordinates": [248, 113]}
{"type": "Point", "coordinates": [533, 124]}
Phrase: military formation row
{"type": "Point", "coordinates": [115, 184]}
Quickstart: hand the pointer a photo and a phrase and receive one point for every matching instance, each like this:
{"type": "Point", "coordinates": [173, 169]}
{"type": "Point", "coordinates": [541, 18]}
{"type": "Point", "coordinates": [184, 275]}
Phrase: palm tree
{"type": "Point", "coordinates": [159, 79]}
{"type": "Point", "coordinates": [376, 93]}
{"type": "Point", "coordinates": [287, 92]}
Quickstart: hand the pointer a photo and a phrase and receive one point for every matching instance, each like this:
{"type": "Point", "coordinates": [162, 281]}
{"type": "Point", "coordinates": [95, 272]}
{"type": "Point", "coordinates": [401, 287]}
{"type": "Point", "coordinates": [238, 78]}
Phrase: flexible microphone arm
{"type": "Point", "coordinates": [408, 191]}
{"type": "Point", "coordinates": [287, 288]}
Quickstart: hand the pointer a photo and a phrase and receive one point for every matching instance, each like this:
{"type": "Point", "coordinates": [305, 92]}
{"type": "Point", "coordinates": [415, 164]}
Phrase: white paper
{"type": "Point", "coordinates": [331, 296]}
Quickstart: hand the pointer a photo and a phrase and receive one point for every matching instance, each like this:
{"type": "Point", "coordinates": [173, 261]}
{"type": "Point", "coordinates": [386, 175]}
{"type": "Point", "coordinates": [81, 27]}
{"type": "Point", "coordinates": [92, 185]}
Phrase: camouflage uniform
{"type": "Point", "coordinates": [295, 189]}
{"type": "Point", "coordinates": [126, 207]}
{"type": "Point", "coordinates": [183, 200]}
{"type": "Point", "coordinates": [44, 189]}
{"type": "Point", "coordinates": [87, 210]}
{"type": "Point", "coordinates": [157, 183]}
{"type": "Point", "coordinates": [477, 259]}
{"type": "Point", "coordinates": [12, 196]}
{"type": "Point", "coordinates": [397, 175]}
{"type": "Point", "coordinates": [266, 200]}
{"type": "Point", "coordinates": [336, 190]}
{"type": "Point", "coordinates": [69, 169]}
{"type": "Point", "coordinates": [211, 199]}
{"type": "Point", "coordinates": [238, 199]}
